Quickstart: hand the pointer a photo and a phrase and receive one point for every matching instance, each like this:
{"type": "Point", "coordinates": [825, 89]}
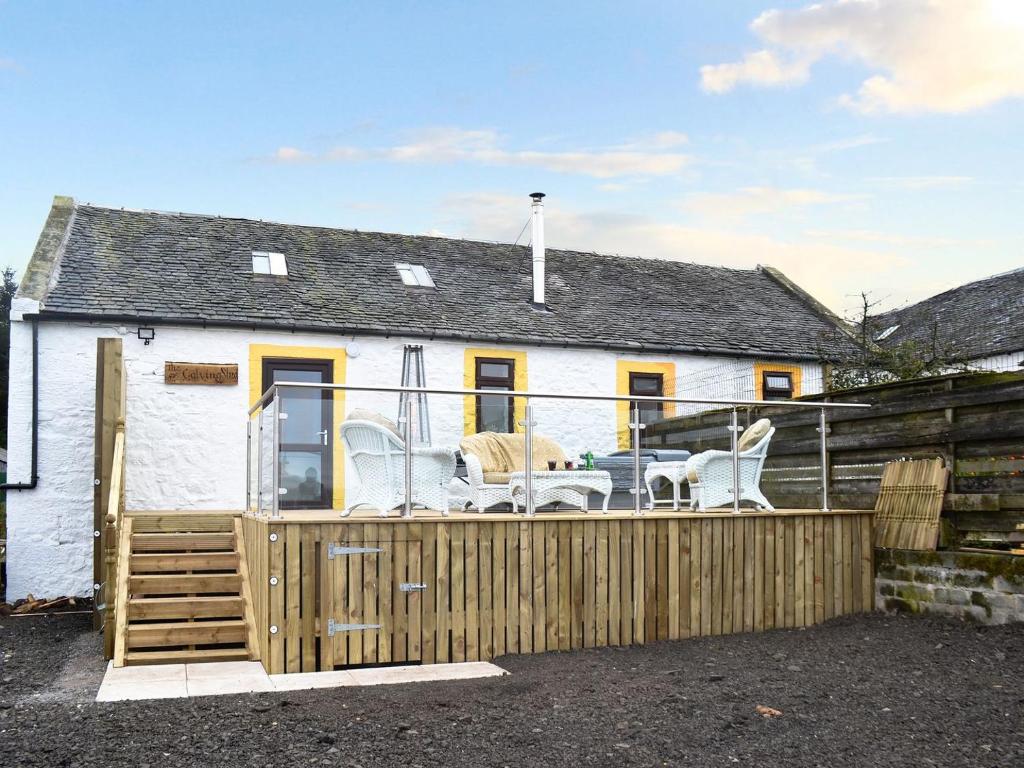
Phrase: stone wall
{"type": "Point", "coordinates": [986, 588]}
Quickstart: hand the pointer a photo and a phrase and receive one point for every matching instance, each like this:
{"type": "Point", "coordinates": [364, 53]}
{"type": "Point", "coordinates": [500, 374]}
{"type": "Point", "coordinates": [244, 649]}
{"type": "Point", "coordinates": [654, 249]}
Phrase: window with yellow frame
{"type": "Point", "coordinates": [498, 370]}
{"type": "Point", "coordinates": [777, 381]}
{"type": "Point", "coordinates": [638, 377]}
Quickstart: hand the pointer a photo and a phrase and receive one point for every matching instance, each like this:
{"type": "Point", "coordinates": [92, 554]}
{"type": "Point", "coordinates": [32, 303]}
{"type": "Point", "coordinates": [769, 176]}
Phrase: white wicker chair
{"type": "Point", "coordinates": [714, 486]}
{"type": "Point", "coordinates": [379, 458]}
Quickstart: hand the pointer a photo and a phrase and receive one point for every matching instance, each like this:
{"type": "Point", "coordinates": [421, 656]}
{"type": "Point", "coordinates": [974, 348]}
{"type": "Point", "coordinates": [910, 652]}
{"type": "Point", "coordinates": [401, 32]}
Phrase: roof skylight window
{"type": "Point", "coordinates": [886, 333]}
{"type": "Point", "coordinates": [269, 263]}
{"type": "Point", "coordinates": [415, 275]}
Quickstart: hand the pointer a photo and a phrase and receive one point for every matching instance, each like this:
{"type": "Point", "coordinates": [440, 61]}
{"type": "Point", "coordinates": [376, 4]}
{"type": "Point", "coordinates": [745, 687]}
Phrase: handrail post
{"type": "Point", "coordinates": [248, 465]}
{"type": "Point", "coordinates": [636, 426]}
{"type": "Point", "coordinates": [260, 414]}
{"type": "Point", "coordinates": [407, 433]}
{"type": "Point", "coordinates": [735, 440]}
{"type": "Point", "coordinates": [530, 509]}
{"type": "Point", "coordinates": [823, 430]}
{"type": "Point", "coordinates": [275, 501]}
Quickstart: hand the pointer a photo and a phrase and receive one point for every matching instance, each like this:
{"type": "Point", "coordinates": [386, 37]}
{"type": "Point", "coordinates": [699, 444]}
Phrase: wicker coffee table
{"type": "Point", "coordinates": [569, 486]}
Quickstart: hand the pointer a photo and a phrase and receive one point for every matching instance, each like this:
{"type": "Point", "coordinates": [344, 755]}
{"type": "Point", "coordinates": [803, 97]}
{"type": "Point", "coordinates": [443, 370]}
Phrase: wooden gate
{"type": "Point", "coordinates": [373, 601]}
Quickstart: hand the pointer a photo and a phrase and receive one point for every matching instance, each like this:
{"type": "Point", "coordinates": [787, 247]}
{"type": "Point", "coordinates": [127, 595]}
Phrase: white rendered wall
{"type": "Point", "coordinates": [186, 446]}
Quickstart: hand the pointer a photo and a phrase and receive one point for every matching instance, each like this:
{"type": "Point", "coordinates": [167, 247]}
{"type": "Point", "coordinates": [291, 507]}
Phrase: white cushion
{"type": "Point", "coordinates": [753, 434]}
{"type": "Point", "coordinates": [364, 414]}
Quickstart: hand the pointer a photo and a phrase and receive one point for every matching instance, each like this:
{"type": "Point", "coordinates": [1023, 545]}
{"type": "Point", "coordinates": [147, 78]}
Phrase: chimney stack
{"type": "Point", "coordinates": [537, 230]}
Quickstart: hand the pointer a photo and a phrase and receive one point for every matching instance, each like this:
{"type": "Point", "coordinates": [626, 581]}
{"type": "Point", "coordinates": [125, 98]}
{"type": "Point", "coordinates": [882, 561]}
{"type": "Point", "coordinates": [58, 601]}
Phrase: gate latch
{"type": "Point", "coordinates": [334, 627]}
{"type": "Point", "coordinates": [412, 586]}
{"type": "Point", "coordinates": [338, 549]}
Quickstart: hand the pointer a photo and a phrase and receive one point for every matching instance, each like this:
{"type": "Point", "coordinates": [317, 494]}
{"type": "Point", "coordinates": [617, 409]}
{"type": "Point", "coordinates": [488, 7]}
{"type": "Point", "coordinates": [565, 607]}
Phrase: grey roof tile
{"type": "Point", "coordinates": [194, 268]}
{"type": "Point", "coordinates": [975, 320]}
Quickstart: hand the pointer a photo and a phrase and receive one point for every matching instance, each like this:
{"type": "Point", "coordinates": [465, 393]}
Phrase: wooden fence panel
{"type": "Point", "coordinates": [500, 585]}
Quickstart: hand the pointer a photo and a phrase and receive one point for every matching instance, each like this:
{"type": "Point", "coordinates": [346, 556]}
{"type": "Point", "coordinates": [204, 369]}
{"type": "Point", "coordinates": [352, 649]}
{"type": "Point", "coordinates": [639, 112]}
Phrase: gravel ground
{"type": "Point", "coordinates": [865, 690]}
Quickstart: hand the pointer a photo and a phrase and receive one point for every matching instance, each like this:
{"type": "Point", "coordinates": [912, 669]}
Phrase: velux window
{"type": "Point", "coordinates": [777, 385]}
{"type": "Point", "coordinates": [415, 275]}
{"type": "Point", "coordinates": [269, 263]}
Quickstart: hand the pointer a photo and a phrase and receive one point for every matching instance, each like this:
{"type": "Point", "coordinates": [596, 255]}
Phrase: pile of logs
{"type": "Point", "coordinates": [32, 605]}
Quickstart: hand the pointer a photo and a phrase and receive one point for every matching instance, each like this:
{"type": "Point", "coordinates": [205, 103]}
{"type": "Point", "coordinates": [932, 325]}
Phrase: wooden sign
{"type": "Point", "coordinates": [200, 373]}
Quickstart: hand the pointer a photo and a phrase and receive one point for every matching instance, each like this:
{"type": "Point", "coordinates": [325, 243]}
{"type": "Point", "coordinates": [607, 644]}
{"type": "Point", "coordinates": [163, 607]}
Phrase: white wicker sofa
{"type": "Point", "coordinates": [710, 473]}
{"type": "Point", "coordinates": [491, 458]}
{"type": "Point", "coordinates": [377, 451]}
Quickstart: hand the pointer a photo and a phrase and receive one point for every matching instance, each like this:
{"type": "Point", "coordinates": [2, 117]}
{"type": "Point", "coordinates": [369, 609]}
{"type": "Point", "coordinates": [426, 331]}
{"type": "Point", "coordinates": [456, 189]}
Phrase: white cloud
{"type": "Point", "coordinates": [750, 201]}
{"type": "Point", "coordinates": [923, 182]}
{"type": "Point", "coordinates": [827, 269]}
{"type": "Point", "coordinates": [291, 155]}
{"type": "Point", "coordinates": [927, 55]}
{"type": "Point", "coordinates": [758, 68]}
{"type": "Point", "coordinates": [646, 156]}
{"type": "Point", "coordinates": [889, 238]}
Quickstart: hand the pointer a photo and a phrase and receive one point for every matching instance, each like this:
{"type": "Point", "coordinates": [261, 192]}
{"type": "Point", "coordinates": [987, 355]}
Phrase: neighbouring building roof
{"type": "Point", "coordinates": [185, 268]}
{"type": "Point", "coordinates": [975, 320]}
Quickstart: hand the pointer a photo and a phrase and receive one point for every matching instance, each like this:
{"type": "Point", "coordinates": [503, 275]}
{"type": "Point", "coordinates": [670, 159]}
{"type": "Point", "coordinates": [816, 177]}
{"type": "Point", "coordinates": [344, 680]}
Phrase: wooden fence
{"type": "Point", "coordinates": [973, 421]}
{"type": "Point", "coordinates": [345, 593]}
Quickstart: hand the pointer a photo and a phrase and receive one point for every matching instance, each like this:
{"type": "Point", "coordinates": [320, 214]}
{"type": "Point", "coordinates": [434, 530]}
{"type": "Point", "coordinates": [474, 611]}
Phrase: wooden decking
{"type": "Point", "coordinates": [332, 592]}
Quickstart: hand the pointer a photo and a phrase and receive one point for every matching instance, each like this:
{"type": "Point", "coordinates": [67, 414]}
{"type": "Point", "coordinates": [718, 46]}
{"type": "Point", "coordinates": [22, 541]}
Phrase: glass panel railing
{"type": "Point", "coordinates": [344, 448]}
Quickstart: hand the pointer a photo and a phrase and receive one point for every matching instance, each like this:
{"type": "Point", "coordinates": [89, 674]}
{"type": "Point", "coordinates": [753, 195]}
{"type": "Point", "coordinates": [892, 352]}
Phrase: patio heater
{"type": "Point", "coordinates": [414, 375]}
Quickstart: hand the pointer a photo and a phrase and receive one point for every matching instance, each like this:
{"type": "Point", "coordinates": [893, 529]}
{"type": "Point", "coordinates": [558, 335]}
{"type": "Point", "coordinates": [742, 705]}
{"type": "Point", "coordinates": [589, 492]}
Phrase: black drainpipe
{"type": "Point", "coordinates": [35, 417]}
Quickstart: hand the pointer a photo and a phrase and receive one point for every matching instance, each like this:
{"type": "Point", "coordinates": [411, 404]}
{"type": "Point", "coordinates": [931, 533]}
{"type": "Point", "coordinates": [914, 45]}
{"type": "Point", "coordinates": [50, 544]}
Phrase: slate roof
{"type": "Point", "coordinates": [197, 269]}
{"type": "Point", "coordinates": [976, 320]}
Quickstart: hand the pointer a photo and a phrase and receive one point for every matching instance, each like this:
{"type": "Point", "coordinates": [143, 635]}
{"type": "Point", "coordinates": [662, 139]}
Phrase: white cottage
{"type": "Point", "coordinates": [286, 302]}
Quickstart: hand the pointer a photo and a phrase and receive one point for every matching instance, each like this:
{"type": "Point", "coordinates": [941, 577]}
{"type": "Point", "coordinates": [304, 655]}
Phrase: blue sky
{"type": "Point", "coordinates": [860, 145]}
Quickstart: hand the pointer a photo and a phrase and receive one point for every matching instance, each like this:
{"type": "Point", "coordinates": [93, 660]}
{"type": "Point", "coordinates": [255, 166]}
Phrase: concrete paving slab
{"type": "Point", "coordinates": [160, 689]}
{"type": "Point", "coordinates": [152, 673]}
{"type": "Point", "coordinates": [306, 680]}
{"type": "Point", "coordinates": [215, 669]}
{"type": "Point", "coordinates": [222, 686]}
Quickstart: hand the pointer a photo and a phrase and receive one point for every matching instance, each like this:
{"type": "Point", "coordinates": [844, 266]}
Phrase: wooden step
{"type": "Point", "coordinates": [185, 633]}
{"type": "Point", "coordinates": [184, 584]}
{"type": "Point", "coordinates": [186, 657]}
{"type": "Point", "coordinates": [184, 561]}
{"type": "Point", "coordinates": [182, 522]}
{"type": "Point", "coordinates": [185, 608]}
{"type": "Point", "coordinates": [183, 542]}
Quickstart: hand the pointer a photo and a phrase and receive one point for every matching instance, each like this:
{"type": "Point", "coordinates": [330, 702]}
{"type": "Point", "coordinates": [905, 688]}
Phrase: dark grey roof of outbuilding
{"type": "Point", "coordinates": [975, 320]}
{"type": "Point", "coordinates": [170, 267]}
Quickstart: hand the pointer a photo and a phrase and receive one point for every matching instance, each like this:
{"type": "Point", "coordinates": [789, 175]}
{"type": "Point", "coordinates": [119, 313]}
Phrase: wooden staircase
{"type": "Point", "coordinates": [183, 594]}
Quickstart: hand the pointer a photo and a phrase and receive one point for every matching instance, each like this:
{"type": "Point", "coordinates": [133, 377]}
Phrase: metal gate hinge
{"type": "Point", "coordinates": [412, 586]}
{"type": "Point", "coordinates": [334, 627]}
{"type": "Point", "coordinates": [339, 549]}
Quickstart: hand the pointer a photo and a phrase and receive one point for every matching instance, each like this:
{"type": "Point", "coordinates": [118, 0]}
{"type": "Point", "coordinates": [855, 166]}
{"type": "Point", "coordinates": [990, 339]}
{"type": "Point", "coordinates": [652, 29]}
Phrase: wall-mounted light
{"type": "Point", "coordinates": [147, 335]}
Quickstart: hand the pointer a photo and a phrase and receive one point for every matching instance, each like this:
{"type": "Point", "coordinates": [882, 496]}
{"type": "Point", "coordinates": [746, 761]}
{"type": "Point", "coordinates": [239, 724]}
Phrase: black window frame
{"type": "Point", "coordinates": [776, 393]}
{"type": "Point", "coordinates": [324, 366]}
{"type": "Point", "coordinates": [482, 382]}
{"type": "Point", "coordinates": [647, 408]}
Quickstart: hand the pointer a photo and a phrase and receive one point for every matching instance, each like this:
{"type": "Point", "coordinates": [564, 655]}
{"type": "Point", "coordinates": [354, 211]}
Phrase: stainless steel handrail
{"type": "Point", "coordinates": [552, 396]}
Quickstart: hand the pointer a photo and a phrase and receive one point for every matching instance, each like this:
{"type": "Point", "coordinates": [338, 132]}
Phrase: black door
{"type": "Point", "coordinates": [306, 434]}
